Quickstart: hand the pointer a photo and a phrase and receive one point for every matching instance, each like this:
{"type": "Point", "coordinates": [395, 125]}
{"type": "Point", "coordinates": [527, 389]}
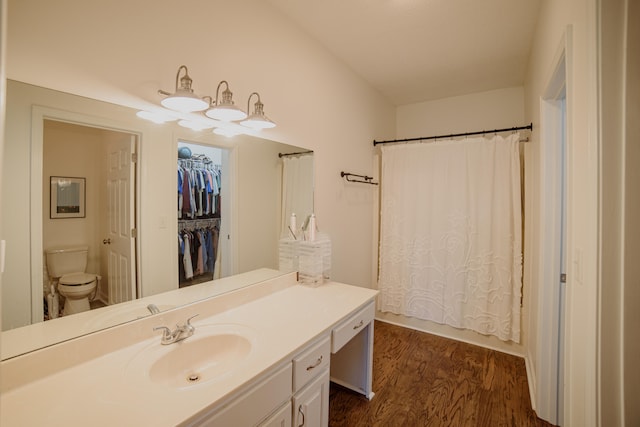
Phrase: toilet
{"type": "Point", "coordinates": [67, 266]}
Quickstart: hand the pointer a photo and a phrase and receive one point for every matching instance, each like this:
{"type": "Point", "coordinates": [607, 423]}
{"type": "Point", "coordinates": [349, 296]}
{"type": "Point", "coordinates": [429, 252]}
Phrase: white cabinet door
{"type": "Point", "coordinates": [282, 417]}
{"type": "Point", "coordinates": [311, 404]}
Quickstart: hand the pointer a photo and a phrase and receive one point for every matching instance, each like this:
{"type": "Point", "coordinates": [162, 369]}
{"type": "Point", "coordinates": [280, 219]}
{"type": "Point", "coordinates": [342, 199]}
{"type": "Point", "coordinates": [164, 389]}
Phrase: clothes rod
{"type": "Point", "coordinates": [299, 153]}
{"type": "Point", "coordinates": [455, 135]}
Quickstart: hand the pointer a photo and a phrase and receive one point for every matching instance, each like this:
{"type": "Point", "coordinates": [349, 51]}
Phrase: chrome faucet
{"type": "Point", "coordinates": [153, 309]}
{"type": "Point", "coordinates": [181, 332]}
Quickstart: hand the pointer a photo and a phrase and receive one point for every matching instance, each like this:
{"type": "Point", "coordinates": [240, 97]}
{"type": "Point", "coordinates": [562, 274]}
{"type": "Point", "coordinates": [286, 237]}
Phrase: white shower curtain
{"type": "Point", "coordinates": [297, 189]}
{"type": "Point", "coordinates": [451, 234]}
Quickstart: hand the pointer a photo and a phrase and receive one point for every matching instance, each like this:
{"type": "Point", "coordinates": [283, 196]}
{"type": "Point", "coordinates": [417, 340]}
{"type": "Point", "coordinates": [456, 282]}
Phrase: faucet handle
{"type": "Point", "coordinates": [166, 332]}
{"type": "Point", "coordinates": [189, 325]}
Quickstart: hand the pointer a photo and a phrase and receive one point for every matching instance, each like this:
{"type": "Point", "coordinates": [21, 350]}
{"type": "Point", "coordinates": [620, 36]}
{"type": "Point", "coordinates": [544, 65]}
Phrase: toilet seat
{"type": "Point", "coordinates": [77, 279]}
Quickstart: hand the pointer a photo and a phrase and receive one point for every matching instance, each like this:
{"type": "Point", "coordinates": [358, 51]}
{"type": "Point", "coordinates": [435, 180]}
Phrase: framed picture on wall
{"type": "Point", "coordinates": [67, 197]}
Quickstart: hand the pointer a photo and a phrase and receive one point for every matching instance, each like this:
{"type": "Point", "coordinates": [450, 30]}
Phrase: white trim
{"type": "Point", "coordinates": [531, 380]}
{"type": "Point", "coordinates": [550, 307]}
{"type": "Point", "coordinates": [35, 229]}
{"type": "Point", "coordinates": [443, 335]}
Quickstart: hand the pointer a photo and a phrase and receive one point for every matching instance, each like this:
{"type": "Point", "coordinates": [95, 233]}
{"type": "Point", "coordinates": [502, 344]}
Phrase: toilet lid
{"type": "Point", "coordinates": [77, 279]}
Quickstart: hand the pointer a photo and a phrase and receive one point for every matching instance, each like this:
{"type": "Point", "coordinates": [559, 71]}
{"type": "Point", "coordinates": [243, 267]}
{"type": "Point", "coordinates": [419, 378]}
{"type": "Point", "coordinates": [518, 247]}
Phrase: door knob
{"type": "Point", "coordinates": [106, 242]}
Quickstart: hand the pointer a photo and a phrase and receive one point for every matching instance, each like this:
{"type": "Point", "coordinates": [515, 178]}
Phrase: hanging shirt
{"type": "Point", "coordinates": [188, 266]}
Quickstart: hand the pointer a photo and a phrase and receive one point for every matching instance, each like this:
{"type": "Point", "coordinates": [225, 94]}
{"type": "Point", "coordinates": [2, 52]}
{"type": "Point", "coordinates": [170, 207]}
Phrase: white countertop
{"type": "Point", "coordinates": [102, 391]}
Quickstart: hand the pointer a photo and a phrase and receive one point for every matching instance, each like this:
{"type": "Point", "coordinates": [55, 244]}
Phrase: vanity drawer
{"type": "Point", "coordinates": [308, 364]}
{"type": "Point", "coordinates": [251, 405]}
{"type": "Point", "coordinates": [348, 329]}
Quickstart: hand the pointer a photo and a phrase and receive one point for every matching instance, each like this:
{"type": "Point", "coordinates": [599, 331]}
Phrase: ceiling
{"type": "Point", "coordinates": [419, 50]}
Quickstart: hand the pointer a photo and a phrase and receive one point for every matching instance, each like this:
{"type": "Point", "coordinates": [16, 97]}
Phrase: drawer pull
{"type": "Point", "coordinates": [359, 325]}
{"type": "Point", "coordinates": [318, 362]}
{"type": "Point", "coordinates": [301, 412]}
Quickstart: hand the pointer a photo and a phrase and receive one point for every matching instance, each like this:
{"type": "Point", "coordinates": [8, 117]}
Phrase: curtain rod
{"type": "Point", "coordinates": [454, 135]}
{"type": "Point", "coordinates": [299, 153]}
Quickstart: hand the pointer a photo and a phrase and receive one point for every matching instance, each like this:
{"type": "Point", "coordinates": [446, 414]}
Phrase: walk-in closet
{"type": "Point", "coordinates": [200, 198]}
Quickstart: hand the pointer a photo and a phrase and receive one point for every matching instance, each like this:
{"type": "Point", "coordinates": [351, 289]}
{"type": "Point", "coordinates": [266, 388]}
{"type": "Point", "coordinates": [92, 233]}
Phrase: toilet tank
{"type": "Point", "coordinates": [62, 261]}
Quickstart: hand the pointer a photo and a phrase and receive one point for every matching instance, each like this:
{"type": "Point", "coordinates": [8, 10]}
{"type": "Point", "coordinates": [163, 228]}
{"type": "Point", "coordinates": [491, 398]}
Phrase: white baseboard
{"type": "Point", "coordinates": [452, 337]}
{"type": "Point", "coordinates": [531, 380]}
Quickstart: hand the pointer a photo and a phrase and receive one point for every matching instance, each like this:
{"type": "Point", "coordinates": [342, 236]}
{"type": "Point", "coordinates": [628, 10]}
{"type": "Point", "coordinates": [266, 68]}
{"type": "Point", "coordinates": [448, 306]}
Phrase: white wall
{"type": "Point", "coordinates": [3, 52]}
{"type": "Point", "coordinates": [503, 108]}
{"type": "Point", "coordinates": [631, 290]}
{"type": "Point", "coordinates": [620, 295]}
{"type": "Point", "coordinates": [612, 83]}
{"type": "Point", "coordinates": [486, 110]}
{"type": "Point", "coordinates": [582, 197]}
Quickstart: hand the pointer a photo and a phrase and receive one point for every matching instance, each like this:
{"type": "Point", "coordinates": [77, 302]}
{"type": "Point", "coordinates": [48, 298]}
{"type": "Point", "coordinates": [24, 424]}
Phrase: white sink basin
{"type": "Point", "coordinates": [211, 353]}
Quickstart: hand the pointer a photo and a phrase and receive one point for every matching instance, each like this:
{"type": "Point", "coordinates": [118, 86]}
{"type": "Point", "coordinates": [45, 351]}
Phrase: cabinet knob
{"type": "Point", "coordinates": [359, 325]}
{"type": "Point", "coordinates": [106, 241]}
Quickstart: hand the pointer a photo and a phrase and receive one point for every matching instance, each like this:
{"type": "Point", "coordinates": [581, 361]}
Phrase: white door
{"type": "Point", "coordinates": [553, 247]}
{"type": "Point", "coordinates": [119, 240]}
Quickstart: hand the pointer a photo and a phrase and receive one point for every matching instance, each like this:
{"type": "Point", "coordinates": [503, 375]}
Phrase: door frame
{"type": "Point", "coordinates": [555, 134]}
{"type": "Point", "coordinates": [38, 116]}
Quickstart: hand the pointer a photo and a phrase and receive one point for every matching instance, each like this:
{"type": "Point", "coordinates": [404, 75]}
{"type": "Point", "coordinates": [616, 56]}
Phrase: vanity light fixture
{"type": "Point", "coordinates": [183, 99]}
{"type": "Point", "coordinates": [224, 109]}
{"type": "Point", "coordinates": [257, 119]}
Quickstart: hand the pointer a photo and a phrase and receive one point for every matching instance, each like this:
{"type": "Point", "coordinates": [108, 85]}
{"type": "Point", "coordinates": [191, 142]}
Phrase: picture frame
{"type": "Point", "coordinates": [67, 197]}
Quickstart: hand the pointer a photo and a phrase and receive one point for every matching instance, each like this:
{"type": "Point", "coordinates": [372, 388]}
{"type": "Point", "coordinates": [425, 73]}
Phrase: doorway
{"type": "Point", "coordinates": [203, 213]}
{"type": "Point", "coordinates": [105, 161]}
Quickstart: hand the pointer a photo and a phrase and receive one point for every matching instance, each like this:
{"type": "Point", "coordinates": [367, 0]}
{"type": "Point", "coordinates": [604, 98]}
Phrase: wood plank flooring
{"type": "Point", "coordinates": [425, 380]}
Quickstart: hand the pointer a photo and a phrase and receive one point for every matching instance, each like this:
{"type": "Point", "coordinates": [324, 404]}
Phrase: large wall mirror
{"type": "Point", "coordinates": [128, 169]}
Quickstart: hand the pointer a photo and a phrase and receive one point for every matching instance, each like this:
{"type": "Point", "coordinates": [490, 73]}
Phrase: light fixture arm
{"type": "Point", "coordinates": [257, 119]}
{"type": "Point", "coordinates": [183, 83]}
{"type": "Point", "coordinates": [226, 93]}
{"type": "Point", "coordinates": [249, 101]}
{"type": "Point", "coordinates": [186, 77]}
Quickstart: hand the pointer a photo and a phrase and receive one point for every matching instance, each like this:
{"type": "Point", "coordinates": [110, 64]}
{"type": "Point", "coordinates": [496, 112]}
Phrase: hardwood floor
{"type": "Point", "coordinates": [425, 380]}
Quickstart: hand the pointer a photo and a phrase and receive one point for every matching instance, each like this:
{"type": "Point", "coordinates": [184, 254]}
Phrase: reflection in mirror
{"type": "Point", "coordinates": [200, 220]}
{"type": "Point", "coordinates": [254, 203]}
{"type": "Point", "coordinates": [100, 159]}
{"type": "Point", "coordinates": [297, 178]}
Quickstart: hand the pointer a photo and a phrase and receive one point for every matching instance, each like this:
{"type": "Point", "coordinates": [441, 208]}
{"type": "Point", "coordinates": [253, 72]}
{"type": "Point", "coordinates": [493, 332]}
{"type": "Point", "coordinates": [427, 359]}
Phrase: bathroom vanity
{"type": "Point", "coordinates": [260, 355]}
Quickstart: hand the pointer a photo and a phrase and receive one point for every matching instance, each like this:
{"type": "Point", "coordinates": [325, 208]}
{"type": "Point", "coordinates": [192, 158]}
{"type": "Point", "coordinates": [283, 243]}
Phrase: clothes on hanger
{"type": "Point", "coordinates": [199, 184]}
{"type": "Point", "coordinates": [197, 251]}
